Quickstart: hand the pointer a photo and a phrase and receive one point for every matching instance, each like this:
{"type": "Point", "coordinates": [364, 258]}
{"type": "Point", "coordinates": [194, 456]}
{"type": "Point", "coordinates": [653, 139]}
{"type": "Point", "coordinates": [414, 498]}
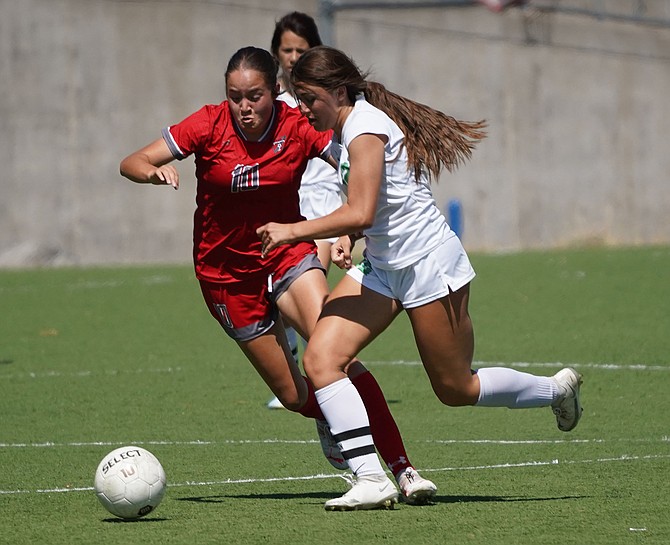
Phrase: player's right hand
{"type": "Point", "coordinates": [165, 175]}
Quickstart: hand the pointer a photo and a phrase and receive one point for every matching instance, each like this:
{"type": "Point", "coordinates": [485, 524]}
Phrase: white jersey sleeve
{"type": "Point", "coordinates": [408, 223]}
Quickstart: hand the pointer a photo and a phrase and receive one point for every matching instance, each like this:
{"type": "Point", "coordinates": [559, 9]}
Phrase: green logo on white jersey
{"type": "Point", "coordinates": [344, 172]}
{"type": "Point", "coordinates": [364, 266]}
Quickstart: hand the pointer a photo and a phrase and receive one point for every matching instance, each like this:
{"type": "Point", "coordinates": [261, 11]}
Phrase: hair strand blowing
{"type": "Point", "coordinates": [434, 140]}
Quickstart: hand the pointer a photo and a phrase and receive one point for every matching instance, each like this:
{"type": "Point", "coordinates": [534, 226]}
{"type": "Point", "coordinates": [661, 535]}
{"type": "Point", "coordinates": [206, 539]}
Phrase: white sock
{"type": "Point", "coordinates": [343, 408]}
{"type": "Point", "coordinates": [504, 387]}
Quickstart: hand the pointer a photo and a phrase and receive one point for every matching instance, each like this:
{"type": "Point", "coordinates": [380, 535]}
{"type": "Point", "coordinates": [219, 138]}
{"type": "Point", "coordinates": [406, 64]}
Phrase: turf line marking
{"type": "Point", "coordinates": [409, 363]}
{"type": "Point", "coordinates": [88, 373]}
{"type": "Point", "coordinates": [663, 439]}
{"type": "Point", "coordinates": [551, 365]}
{"type": "Point", "coordinates": [197, 442]}
{"type": "Point", "coordinates": [149, 280]}
{"type": "Point", "coordinates": [48, 444]}
{"type": "Point", "coordinates": [622, 458]}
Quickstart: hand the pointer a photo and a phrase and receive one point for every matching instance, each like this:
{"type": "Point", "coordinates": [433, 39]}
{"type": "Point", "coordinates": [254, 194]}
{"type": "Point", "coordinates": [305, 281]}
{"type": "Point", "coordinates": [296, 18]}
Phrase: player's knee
{"type": "Point", "coordinates": [291, 400]}
{"type": "Point", "coordinates": [291, 405]}
{"type": "Point", "coordinates": [322, 365]}
{"type": "Point", "coordinates": [454, 394]}
{"type": "Point", "coordinates": [312, 362]}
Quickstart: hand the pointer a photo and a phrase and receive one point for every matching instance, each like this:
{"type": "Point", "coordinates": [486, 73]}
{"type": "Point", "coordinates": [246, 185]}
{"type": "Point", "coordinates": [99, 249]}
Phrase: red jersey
{"type": "Point", "coordinates": [243, 185]}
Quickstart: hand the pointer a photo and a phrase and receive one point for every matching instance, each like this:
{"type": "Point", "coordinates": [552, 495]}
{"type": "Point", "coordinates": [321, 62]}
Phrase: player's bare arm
{"type": "Point", "coordinates": [150, 165]}
{"type": "Point", "coordinates": [366, 155]}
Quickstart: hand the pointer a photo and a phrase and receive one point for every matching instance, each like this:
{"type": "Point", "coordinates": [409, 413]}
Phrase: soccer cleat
{"type": "Point", "coordinates": [372, 492]}
{"type": "Point", "coordinates": [331, 449]}
{"type": "Point", "coordinates": [566, 407]}
{"type": "Point", "coordinates": [414, 488]}
{"type": "Point", "coordinates": [274, 403]}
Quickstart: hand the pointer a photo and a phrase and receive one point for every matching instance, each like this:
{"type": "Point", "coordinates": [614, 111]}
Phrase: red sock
{"type": "Point", "coordinates": [311, 408]}
{"type": "Point", "coordinates": [384, 430]}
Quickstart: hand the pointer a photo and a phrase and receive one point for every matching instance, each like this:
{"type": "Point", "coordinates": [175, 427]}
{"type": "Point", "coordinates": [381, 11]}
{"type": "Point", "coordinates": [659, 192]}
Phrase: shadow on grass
{"type": "Point", "coordinates": [134, 521]}
{"type": "Point", "coordinates": [505, 499]}
{"type": "Point", "coordinates": [326, 496]}
{"type": "Point", "coordinates": [223, 497]}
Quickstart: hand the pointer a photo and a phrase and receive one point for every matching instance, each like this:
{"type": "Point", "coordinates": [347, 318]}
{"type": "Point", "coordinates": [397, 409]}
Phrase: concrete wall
{"type": "Point", "coordinates": [578, 111]}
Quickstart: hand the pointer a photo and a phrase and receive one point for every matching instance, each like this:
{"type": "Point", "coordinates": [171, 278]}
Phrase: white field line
{"type": "Point", "coordinates": [155, 279]}
{"type": "Point", "coordinates": [622, 458]}
{"type": "Point", "coordinates": [551, 365]}
{"type": "Point", "coordinates": [89, 373]}
{"type": "Point", "coordinates": [477, 364]}
{"type": "Point", "coordinates": [198, 442]}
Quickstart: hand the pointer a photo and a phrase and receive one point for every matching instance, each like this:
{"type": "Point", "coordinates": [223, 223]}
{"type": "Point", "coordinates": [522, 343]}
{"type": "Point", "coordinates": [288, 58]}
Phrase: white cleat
{"type": "Point", "coordinates": [274, 403]}
{"type": "Point", "coordinates": [331, 450]}
{"type": "Point", "coordinates": [415, 489]}
{"type": "Point", "coordinates": [567, 408]}
{"type": "Point", "coordinates": [372, 492]}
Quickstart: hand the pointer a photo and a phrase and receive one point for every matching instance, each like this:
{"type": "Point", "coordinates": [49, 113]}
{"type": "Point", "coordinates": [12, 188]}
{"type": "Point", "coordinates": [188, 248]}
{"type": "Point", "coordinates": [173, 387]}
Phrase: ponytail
{"type": "Point", "coordinates": [433, 139]}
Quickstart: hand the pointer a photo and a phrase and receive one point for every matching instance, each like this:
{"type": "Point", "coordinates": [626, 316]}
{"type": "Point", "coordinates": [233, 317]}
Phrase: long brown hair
{"type": "Point", "coordinates": [433, 139]}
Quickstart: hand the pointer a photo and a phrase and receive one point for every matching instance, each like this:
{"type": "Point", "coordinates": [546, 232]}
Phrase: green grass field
{"type": "Point", "coordinates": [93, 359]}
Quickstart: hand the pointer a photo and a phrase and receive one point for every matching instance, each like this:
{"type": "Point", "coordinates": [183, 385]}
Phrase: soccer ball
{"type": "Point", "coordinates": [130, 482]}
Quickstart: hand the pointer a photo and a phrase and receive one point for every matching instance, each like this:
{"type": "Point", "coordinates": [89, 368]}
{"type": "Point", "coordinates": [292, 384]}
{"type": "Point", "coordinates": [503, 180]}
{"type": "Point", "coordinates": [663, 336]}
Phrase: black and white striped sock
{"type": "Point", "coordinates": [343, 407]}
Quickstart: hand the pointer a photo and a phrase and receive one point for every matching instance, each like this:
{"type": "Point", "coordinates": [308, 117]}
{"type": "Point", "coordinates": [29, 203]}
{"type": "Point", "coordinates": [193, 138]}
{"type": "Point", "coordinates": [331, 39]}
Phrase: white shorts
{"type": "Point", "coordinates": [445, 269]}
{"type": "Point", "coordinates": [318, 200]}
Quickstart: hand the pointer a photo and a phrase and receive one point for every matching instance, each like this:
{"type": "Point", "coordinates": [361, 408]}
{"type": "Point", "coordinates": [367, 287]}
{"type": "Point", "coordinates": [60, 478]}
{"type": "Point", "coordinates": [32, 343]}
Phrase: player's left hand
{"type": "Point", "coordinates": [273, 235]}
{"type": "Point", "coordinates": [340, 252]}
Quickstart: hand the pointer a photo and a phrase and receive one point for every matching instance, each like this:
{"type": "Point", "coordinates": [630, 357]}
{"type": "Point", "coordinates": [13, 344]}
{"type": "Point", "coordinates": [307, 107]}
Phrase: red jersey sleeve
{"type": "Point", "coordinates": [190, 135]}
{"type": "Point", "coordinates": [317, 144]}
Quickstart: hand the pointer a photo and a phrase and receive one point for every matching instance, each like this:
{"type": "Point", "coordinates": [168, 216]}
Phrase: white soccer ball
{"type": "Point", "coordinates": [130, 482]}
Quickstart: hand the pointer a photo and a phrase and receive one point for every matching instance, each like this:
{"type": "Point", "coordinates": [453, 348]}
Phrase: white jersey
{"type": "Point", "coordinates": [320, 190]}
{"type": "Point", "coordinates": [408, 224]}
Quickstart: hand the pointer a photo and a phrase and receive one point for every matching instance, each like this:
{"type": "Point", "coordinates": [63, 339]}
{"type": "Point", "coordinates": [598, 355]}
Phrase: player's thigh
{"type": "Point", "coordinates": [445, 340]}
{"type": "Point", "coordinates": [323, 251]}
{"type": "Point", "coordinates": [301, 303]}
{"type": "Point", "coordinates": [271, 357]}
{"type": "Point", "coordinates": [351, 318]}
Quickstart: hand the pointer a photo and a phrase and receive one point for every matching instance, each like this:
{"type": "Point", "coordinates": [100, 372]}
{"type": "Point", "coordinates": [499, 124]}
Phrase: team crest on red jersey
{"type": "Point", "coordinates": [278, 145]}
